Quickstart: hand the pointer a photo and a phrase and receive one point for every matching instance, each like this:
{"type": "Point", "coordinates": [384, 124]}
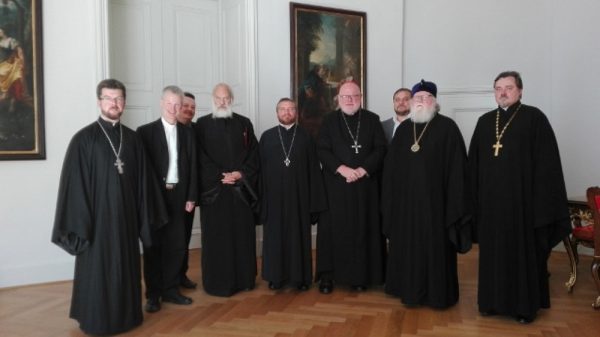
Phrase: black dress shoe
{"type": "Point", "coordinates": [274, 285]}
{"type": "Point", "coordinates": [187, 283]}
{"type": "Point", "coordinates": [524, 319]}
{"type": "Point", "coordinates": [152, 305]}
{"type": "Point", "coordinates": [302, 287]}
{"type": "Point", "coordinates": [326, 286]}
{"type": "Point", "coordinates": [486, 313]}
{"type": "Point", "coordinates": [177, 298]}
{"type": "Point", "coordinates": [359, 288]}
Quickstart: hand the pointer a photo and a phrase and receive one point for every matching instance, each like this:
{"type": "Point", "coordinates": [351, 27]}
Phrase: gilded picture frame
{"type": "Point", "coordinates": [21, 81]}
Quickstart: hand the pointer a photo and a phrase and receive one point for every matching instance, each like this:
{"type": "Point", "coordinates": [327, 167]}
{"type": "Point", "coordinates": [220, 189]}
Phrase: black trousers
{"type": "Point", "coordinates": [162, 261]}
{"type": "Point", "coordinates": [189, 222]}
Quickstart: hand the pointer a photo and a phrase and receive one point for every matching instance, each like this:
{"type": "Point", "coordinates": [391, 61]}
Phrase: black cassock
{"type": "Point", "coordinates": [350, 246]}
{"type": "Point", "coordinates": [424, 209]}
{"type": "Point", "coordinates": [100, 215]}
{"type": "Point", "coordinates": [520, 209]}
{"type": "Point", "coordinates": [289, 196]}
{"type": "Point", "coordinates": [227, 212]}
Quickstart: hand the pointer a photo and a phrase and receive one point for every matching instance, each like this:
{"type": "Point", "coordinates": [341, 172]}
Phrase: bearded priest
{"type": "Point", "coordinates": [424, 204]}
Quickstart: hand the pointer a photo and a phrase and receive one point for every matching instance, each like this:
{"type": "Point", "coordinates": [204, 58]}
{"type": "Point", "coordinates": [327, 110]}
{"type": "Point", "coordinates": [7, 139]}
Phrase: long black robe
{"type": "Point", "coordinates": [100, 215]}
{"type": "Point", "coordinates": [423, 206]}
{"type": "Point", "coordinates": [521, 209]}
{"type": "Point", "coordinates": [226, 213]}
{"type": "Point", "coordinates": [350, 246]}
{"type": "Point", "coordinates": [289, 196]}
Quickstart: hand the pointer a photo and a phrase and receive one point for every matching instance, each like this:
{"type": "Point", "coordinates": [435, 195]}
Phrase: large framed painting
{"type": "Point", "coordinates": [21, 82]}
{"type": "Point", "coordinates": [328, 46]}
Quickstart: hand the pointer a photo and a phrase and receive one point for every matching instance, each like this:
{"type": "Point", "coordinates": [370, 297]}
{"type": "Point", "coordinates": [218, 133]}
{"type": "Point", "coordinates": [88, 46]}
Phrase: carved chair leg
{"type": "Point", "coordinates": [570, 252]}
{"type": "Point", "coordinates": [596, 275]}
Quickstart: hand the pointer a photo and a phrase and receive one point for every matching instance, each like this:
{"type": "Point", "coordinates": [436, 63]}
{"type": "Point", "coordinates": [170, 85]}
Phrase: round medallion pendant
{"type": "Point", "coordinates": [415, 147]}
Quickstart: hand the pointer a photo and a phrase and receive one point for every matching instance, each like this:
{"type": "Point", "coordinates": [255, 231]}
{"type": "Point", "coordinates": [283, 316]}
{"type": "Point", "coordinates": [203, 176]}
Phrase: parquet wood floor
{"type": "Point", "coordinates": [42, 310]}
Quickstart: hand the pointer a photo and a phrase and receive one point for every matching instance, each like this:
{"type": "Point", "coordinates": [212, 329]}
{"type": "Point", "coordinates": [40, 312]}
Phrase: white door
{"type": "Point", "coordinates": [193, 44]}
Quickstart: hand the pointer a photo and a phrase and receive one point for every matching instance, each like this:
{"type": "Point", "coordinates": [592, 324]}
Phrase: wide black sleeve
{"type": "Point", "coordinates": [550, 196]}
{"type": "Point", "coordinates": [325, 145]}
{"type": "Point", "coordinates": [73, 219]}
{"type": "Point", "coordinates": [458, 218]}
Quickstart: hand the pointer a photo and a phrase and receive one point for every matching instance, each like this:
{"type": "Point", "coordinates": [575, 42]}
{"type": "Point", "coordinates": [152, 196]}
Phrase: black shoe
{"type": "Point", "coordinates": [302, 287]}
{"type": "Point", "coordinates": [359, 288]}
{"type": "Point", "coordinates": [326, 286]}
{"type": "Point", "coordinates": [177, 298]}
{"type": "Point", "coordinates": [486, 313]}
{"type": "Point", "coordinates": [187, 283]}
{"type": "Point", "coordinates": [524, 319]}
{"type": "Point", "coordinates": [274, 285]}
{"type": "Point", "coordinates": [152, 305]}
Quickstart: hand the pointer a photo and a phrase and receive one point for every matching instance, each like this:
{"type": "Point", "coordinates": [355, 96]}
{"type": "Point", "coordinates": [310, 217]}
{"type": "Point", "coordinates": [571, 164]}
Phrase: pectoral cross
{"type": "Point", "coordinates": [356, 146]}
{"type": "Point", "coordinates": [497, 148]}
{"type": "Point", "coordinates": [287, 162]}
{"type": "Point", "coordinates": [119, 164]}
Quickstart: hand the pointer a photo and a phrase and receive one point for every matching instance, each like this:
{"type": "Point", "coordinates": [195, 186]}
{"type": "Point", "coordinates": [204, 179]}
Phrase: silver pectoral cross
{"type": "Point", "coordinates": [356, 146]}
{"type": "Point", "coordinates": [497, 148]}
{"type": "Point", "coordinates": [287, 161]}
{"type": "Point", "coordinates": [119, 164]}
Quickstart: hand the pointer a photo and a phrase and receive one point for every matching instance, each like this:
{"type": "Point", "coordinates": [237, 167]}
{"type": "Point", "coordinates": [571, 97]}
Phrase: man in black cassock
{"type": "Point", "coordinates": [520, 203]}
{"type": "Point", "coordinates": [351, 146]}
{"type": "Point", "coordinates": [185, 116]}
{"type": "Point", "coordinates": [424, 204]}
{"type": "Point", "coordinates": [171, 151]}
{"type": "Point", "coordinates": [228, 164]}
{"type": "Point", "coordinates": [292, 195]}
{"type": "Point", "coordinates": [102, 210]}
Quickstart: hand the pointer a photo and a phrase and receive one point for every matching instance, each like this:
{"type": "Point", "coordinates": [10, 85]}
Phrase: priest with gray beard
{"type": "Point", "coordinates": [424, 208]}
{"type": "Point", "coordinates": [228, 164]}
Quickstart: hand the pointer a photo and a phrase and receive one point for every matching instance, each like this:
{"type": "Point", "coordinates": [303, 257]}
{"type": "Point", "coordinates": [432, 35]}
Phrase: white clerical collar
{"type": "Point", "coordinates": [287, 127]}
{"type": "Point", "coordinates": [168, 125]}
{"type": "Point", "coordinates": [108, 120]}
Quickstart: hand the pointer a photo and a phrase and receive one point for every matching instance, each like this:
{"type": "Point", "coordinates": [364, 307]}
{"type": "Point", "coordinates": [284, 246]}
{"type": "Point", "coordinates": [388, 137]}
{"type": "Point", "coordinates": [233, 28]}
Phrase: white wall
{"type": "Point", "coordinates": [575, 91]}
{"type": "Point", "coordinates": [461, 45]}
{"type": "Point", "coordinates": [28, 188]}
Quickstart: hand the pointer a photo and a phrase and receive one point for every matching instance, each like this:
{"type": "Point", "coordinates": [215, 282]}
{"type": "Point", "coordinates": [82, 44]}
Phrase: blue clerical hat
{"type": "Point", "coordinates": [430, 87]}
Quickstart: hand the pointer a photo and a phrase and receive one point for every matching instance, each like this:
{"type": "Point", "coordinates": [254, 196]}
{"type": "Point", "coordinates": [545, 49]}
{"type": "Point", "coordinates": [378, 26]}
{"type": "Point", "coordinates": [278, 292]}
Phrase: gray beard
{"type": "Point", "coordinates": [221, 113]}
{"type": "Point", "coordinates": [425, 115]}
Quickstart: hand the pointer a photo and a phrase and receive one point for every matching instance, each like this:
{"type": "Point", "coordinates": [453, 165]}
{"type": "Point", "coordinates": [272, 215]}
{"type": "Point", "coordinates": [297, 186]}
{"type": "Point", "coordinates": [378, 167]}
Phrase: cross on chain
{"type": "Point", "coordinates": [497, 148]}
{"type": "Point", "coordinates": [119, 164]}
{"type": "Point", "coordinates": [356, 146]}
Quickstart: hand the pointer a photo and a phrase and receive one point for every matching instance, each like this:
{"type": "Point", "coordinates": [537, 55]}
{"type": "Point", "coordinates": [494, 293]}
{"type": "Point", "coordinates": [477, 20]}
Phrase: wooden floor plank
{"type": "Point", "coordinates": [42, 310]}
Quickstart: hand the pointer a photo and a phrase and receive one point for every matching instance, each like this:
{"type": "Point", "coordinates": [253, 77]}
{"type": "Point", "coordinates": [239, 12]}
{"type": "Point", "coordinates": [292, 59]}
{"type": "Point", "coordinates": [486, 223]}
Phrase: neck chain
{"type": "Point", "coordinates": [118, 163]}
{"type": "Point", "coordinates": [416, 147]}
{"type": "Point", "coordinates": [356, 146]}
{"type": "Point", "coordinates": [499, 135]}
{"type": "Point", "coordinates": [289, 151]}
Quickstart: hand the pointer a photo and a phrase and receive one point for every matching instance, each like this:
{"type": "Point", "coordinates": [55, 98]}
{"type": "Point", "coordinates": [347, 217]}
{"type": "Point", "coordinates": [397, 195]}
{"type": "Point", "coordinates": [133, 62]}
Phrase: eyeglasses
{"type": "Point", "coordinates": [347, 97]}
{"type": "Point", "coordinates": [423, 98]}
{"type": "Point", "coordinates": [117, 100]}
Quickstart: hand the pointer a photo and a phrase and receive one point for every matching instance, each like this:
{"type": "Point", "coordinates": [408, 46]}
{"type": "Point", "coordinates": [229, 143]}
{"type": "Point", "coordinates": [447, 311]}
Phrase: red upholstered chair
{"type": "Point", "coordinates": [587, 235]}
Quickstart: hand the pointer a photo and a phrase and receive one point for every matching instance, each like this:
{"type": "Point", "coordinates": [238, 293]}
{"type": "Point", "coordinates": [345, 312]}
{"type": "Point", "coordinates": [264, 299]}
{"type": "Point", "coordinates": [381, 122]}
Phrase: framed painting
{"type": "Point", "coordinates": [21, 82]}
{"type": "Point", "coordinates": [328, 46]}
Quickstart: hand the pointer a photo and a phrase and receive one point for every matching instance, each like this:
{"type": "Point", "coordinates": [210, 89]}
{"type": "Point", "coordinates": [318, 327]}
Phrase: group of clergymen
{"type": "Point", "coordinates": [390, 211]}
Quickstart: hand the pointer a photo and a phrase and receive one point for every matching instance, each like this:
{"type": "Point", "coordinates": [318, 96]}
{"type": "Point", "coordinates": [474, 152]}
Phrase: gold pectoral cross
{"type": "Point", "coordinates": [497, 148]}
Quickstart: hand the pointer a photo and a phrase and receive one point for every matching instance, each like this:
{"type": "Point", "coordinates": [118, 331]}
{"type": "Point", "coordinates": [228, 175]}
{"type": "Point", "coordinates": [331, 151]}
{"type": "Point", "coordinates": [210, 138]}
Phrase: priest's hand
{"type": "Point", "coordinates": [350, 174]}
{"type": "Point", "coordinates": [361, 172]}
{"type": "Point", "coordinates": [189, 206]}
{"type": "Point", "coordinates": [230, 178]}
